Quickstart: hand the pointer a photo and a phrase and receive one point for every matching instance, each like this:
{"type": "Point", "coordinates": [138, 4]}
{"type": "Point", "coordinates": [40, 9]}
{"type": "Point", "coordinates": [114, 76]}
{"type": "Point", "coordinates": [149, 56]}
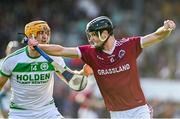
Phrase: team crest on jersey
{"type": "Point", "coordinates": [44, 66]}
{"type": "Point", "coordinates": [121, 54]}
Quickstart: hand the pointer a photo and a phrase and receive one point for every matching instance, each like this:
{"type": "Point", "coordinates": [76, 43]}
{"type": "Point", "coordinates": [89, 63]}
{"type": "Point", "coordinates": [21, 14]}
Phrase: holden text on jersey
{"type": "Point", "coordinates": [33, 78]}
{"type": "Point", "coordinates": [121, 68]}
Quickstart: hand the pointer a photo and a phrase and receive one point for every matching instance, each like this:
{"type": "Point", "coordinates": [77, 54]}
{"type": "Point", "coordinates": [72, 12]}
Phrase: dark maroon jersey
{"type": "Point", "coordinates": [117, 74]}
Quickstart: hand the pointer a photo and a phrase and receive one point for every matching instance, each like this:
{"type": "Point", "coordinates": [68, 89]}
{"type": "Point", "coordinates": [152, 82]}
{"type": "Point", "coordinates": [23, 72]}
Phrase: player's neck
{"type": "Point", "coordinates": [33, 53]}
{"type": "Point", "coordinates": [108, 46]}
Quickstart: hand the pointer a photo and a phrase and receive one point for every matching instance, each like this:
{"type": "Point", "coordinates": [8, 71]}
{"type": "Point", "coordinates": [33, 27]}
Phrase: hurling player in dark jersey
{"type": "Point", "coordinates": [114, 64]}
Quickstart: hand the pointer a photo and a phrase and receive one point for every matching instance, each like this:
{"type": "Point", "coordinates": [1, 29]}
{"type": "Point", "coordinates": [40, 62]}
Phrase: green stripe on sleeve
{"type": "Point", "coordinates": [3, 74]}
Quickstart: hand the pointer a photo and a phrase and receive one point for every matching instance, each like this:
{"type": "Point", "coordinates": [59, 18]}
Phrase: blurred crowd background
{"type": "Point", "coordinates": [68, 19]}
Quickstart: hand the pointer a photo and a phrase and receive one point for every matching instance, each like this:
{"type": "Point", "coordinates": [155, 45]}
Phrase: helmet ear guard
{"type": "Point", "coordinates": [100, 37]}
{"type": "Point", "coordinates": [35, 27]}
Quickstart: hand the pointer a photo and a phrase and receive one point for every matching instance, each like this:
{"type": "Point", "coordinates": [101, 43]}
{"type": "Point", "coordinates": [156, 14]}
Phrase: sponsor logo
{"type": "Point", "coordinates": [33, 78]}
{"type": "Point", "coordinates": [114, 70]}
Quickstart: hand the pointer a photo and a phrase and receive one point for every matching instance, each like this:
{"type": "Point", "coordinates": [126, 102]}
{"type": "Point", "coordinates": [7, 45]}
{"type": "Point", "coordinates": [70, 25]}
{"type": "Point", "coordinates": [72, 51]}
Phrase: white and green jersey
{"type": "Point", "coordinates": [32, 79]}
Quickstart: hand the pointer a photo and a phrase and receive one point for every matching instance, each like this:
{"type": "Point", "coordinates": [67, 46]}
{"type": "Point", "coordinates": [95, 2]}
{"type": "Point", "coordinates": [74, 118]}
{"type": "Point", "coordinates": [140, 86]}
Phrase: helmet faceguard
{"type": "Point", "coordinates": [35, 27]}
{"type": "Point", "coordinates": [98, 25]}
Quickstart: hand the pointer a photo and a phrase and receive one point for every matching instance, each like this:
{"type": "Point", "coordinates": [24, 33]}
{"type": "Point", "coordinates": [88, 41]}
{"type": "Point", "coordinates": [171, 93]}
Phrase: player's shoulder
{"type": "Point", "coordinates": [134, 38]}
{"type": "Point", "coordinates": [86, 46]}
{"type": "Point", "coordinates": [15, 55]}
{"type": "Point", "coordinates": [126, 40]}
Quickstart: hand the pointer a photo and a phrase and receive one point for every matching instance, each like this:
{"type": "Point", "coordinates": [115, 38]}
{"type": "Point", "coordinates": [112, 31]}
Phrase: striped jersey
{"type": "Point", "coordinates": [32, 79]}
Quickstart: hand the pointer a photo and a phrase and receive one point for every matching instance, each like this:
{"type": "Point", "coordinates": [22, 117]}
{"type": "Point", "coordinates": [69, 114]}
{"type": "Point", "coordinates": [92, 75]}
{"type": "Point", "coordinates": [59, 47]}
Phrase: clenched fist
{"type": "Point", "coordinates": [169, 25]}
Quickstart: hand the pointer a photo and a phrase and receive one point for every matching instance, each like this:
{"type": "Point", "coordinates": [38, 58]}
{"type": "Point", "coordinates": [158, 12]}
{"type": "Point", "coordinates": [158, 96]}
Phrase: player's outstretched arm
{"type": "Point", "coordinates": [55, 50]}
{"type": "Point", "coordinates": [58, 50]}
{"type": "Point", "coordinates": [159, 35]}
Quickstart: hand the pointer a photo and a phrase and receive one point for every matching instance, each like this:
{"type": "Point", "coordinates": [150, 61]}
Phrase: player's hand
{"type": "Point", "coordinates": [87, 70]}
{"type": "Point", "coordinates": [32, 42]}
{"type": "Point", "coordinates": [169, 25]}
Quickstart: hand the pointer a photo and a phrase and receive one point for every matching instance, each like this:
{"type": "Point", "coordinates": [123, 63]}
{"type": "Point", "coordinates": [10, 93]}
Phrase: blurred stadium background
{"type": "Point", "coordinates": [159, 65]}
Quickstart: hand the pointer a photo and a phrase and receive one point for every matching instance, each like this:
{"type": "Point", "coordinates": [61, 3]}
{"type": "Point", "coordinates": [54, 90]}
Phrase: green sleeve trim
{"type": "Point", "coordinates": [3, 74]}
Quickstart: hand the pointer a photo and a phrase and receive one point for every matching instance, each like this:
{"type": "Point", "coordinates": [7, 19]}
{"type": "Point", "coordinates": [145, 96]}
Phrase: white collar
{"type": "Point", "coordinates": [111, 51]}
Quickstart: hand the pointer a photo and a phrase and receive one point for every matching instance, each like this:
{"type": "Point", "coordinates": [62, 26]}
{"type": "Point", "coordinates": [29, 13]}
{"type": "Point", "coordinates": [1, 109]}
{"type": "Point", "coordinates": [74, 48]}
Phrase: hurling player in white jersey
{"type": "Point", "coordinates": [31, 77]}
{"type": "Point", "coordinates": [114, 65]}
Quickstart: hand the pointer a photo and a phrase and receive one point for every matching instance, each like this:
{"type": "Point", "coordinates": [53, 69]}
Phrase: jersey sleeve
{"type": "Point", "coordinates": [5, 68]}
{"type": "Point", "coordinates": [136, 45]}
{"type": "Point", "coordinates": [84, 51]}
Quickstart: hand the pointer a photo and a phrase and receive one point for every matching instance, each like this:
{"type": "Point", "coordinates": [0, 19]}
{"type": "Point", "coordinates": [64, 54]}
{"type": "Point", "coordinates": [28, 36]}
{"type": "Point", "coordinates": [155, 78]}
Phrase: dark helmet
{"type": "Point", "coordinates": [99, 24]}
